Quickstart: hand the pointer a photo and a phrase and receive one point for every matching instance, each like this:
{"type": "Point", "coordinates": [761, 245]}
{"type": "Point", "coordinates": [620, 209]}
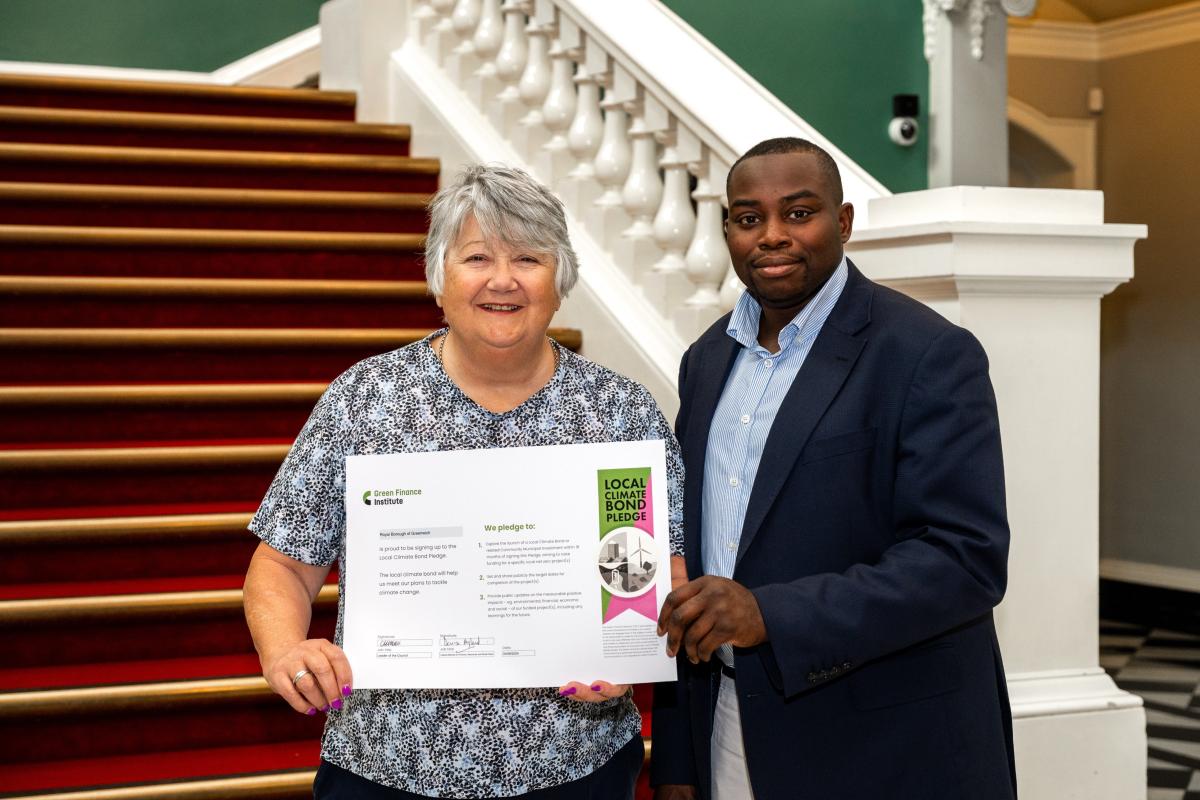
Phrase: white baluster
{"type": "Point", "coordinates": [464, 19]}
{"type": "Point", "coordinates": [461, 62]}
{"type": "Point", "coordinates": [667, 284]}
{"type": "Point", "coordinates": [557, 113]}
{"type": "Point", "coordinates": [530, 134]}
{"type": "Point", "coordinates": [607, 217]}
{"type": "Point", "coordinates": [583, 138]}
{"type": "Point", "coordinates": [443, 28]}
{"type": "Point", "coordinates": [643, 187]}
{"type": "Point", "coordinates": [615, 155]}
{"type": "Point", "coordinates": [731, 289]}
{"type": "Point", "coordinates": [514, 50]}
{"type": "Point", "coordinates": [675, 221]}
{"type": "Point", "coordinates": [489, 35]}
{"type": "Point", "coordinates": [634, 249]}
{"type": "Point", "coordinates": [424, 10]}
{"type": "Point", "coordinates": [535, 79]}
{"type": "Point", "coordinates": [443, 9]}
{"type": "Point", "coordinates": [707, 256]}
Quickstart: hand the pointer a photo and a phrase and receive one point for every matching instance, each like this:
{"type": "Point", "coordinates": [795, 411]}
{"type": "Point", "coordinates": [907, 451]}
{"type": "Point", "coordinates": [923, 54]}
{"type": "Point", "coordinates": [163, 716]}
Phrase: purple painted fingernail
{"type": "Point", "coordinates": [311, 711]}
{"type": "Point", "coordinates": [596, 688]}
{"type": "Point", "coordinates": [337, 705]}
{"type": "Point", "coordinates": [346, 690]}
{"type": "Point", "coordinates": [325, 709]}
{"type": "Point", "coordinates": [567, 692]}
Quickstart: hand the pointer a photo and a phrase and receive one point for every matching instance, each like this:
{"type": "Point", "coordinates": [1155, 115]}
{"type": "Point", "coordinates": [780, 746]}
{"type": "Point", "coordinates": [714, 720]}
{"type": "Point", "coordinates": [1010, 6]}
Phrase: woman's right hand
{"type": "Point", "coordinates": [325, 682]}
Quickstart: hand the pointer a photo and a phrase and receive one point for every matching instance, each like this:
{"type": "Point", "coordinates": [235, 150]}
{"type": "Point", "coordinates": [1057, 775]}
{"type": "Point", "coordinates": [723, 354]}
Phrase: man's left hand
{"type": "Point", "coordinates": [704, 614]}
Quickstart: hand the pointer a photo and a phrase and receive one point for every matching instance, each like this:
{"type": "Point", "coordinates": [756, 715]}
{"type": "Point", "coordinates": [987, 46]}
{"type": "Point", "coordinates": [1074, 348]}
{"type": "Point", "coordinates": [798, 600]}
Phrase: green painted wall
{"type": "Point", "coordinates": [836, 63]}
{"type": "Point", "coordinates": [194, 35]}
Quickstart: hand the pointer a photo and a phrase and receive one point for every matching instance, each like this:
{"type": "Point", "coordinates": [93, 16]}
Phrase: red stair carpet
{"type": "Point", "coordinates": [183, 268]}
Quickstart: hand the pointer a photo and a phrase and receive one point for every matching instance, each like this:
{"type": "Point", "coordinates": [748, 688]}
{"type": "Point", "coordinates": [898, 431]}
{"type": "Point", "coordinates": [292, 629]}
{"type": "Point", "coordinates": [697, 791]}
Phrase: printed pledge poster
{"type": "Point", "coordinates": [512, 567]}
{"type": "Point", "coordinates": [628, 558]}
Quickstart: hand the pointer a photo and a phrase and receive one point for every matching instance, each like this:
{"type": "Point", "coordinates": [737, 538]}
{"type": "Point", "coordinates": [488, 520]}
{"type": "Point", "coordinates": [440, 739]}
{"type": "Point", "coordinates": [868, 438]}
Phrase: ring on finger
{"type": "Point", "coordinates": [300, 674]}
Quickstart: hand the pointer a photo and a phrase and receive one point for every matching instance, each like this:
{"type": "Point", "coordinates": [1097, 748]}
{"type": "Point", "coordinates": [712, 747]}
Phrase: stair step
{"type": "Point", "coordinates": [200, 131]}
{"type": "Point", "coordinates": [191, 98]}
{"type": "Point", "coordinates": [181, 252]}
{"type": "Point", "coordinates": [286, 783]}
{"type": "Point", "coordinates": [62, 676]}
{"type": "Point", "coordinates": [47, 478]}
{"type": "Point", "coordinates": [118, 629]}
{"type": "Point", "coordinates": [62, 723]}
{"type": "Point", "coordinates": [114, 778]}
{"type": "Point", "coordinates": [160, 166]}
{"type": "Point", "coordinates": [109, 595]}
{"type": "Point", "coordinates": [111, 414]}
{"type": "Point", "coordinates": [58, 551]}
{"type": "Point", "coordinates": [152, 355]}
{"type": "Point", "coordinates": [189, 207]}
{"type": "Point", "coordinates": [209, 302]}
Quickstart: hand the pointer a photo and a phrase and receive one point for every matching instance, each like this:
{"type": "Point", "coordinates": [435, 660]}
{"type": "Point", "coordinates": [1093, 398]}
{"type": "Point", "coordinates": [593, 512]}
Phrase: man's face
{"type": "Point", "coordinates": [785, 231]}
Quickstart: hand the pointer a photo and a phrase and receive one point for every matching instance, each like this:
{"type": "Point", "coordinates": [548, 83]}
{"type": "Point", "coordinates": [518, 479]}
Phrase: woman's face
{"type": "Point", "coordinates": [495, 294]}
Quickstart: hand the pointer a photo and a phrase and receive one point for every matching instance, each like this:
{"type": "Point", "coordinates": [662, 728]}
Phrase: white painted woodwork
{"type": "Point", "coordinates": [1024, 270]}
{"type": "Point", "coordinates": [707, 256]}
{"type": "Point", "coordinates": [643, 187]}
{"type": "Point", "coordinates": [583, 137]}
{"type": "Point", "coordinates": [675, 221]}
{"type": "Point", "coordinates": [489, 35]}
{"type": "Point", "coordinates": [615, 155]}
{"type": "Point", "coordinates": [464, 19]}
{"type": "Point", "coordinates": [514, 51]}
{"type": "Point", "coordinates": [535, 79]}
{"type": "Point", "coordinates": [559, 109]}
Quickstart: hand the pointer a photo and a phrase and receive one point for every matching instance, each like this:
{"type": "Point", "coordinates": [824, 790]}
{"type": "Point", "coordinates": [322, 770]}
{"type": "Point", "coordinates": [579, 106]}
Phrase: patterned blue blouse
{"type": "Point", "coordinates": [456, 743]}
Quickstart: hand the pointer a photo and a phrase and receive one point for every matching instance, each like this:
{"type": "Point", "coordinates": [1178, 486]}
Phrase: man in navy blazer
{"type": "Point", "coordinates": [845, 522]}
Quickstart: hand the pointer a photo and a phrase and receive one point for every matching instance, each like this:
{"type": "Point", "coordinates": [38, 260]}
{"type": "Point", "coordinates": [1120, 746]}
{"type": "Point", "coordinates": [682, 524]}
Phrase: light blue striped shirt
{"type": "Point", "coordinates": [743, 418]}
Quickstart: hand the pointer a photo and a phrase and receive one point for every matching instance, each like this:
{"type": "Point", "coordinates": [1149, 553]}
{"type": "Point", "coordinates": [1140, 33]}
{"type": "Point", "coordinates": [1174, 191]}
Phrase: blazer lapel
{"type": "Point", "coordinates": [826, 368]}
{"type": "Point", "coordinates": [714, 364]}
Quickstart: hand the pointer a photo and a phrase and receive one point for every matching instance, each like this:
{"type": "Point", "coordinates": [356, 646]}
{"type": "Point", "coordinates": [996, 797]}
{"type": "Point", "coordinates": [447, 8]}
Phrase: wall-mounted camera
{"type": "Point", "coordinates": [903, 129]}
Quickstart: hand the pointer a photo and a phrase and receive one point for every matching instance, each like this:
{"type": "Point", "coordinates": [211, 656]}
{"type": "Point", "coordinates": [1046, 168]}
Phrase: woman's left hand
{"type": "Point", "coordinates": [594, 692]}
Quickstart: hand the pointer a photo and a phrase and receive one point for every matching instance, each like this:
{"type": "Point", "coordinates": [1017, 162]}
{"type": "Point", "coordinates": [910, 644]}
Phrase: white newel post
{"type": "Point", "coordinates": [357, 38]}
{"type": "Point", "coordinates": [1024, 269]}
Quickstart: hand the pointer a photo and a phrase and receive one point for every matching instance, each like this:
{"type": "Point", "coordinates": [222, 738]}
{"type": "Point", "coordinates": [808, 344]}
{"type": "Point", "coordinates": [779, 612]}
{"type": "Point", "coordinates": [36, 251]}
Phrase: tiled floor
{"type": "Point", "coordinates": [1163, 666]}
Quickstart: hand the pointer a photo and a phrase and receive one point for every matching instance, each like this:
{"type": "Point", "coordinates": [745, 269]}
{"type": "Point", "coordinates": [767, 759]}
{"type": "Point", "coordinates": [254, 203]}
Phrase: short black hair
{"type": "Point", "coordinates": [794, 144]}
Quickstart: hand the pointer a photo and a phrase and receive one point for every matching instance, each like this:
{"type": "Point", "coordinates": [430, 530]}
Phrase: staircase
{"type": "Point", "coordinates": [182, 270]}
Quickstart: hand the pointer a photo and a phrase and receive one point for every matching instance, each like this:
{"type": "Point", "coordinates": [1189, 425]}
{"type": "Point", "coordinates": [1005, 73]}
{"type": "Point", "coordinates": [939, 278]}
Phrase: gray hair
{"type": "Point", "coordinates": [507, 204]}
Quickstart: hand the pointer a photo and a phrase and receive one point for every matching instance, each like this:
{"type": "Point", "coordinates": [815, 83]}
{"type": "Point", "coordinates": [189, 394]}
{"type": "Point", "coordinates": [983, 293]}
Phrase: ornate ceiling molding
{"type": "Point", "coordinates": [1125, 36]}
{"type": "Point", "coordinates": [977, 12]}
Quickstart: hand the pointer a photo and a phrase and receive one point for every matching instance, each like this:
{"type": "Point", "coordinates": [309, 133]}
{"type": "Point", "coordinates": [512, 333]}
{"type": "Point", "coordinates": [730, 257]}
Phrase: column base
{"type": "Point", "coordinates": [1077, 735]}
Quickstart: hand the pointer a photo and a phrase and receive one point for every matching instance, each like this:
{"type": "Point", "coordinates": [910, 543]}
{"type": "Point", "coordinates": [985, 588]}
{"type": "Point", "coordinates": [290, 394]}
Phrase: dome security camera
{"type": "Point", "coordinates": [903, 129]}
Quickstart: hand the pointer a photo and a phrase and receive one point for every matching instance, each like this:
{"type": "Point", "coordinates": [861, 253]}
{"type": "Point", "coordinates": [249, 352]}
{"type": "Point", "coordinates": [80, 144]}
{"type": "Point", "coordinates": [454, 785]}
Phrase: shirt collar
{"type": "Point", "coordinates": [743, 324]}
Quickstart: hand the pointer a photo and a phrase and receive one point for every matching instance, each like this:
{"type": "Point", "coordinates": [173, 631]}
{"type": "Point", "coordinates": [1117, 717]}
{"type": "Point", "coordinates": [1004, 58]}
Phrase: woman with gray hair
{"type": "Point", "coordinates": [498, 262]}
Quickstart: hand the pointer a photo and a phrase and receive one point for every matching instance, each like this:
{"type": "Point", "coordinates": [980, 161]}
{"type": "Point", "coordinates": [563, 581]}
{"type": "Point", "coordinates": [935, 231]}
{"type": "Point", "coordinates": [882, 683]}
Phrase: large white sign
{"type": "Point", "coordinates": [508, 567]}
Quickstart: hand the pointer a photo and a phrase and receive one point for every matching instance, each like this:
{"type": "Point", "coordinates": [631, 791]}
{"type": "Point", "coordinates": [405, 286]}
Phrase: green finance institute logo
{"type": "Point", "coordinates": [388, 497]}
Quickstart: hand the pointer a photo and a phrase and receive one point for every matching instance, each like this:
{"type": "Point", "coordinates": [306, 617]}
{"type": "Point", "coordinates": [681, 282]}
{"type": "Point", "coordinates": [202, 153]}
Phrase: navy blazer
{"type": "Point", "coordinates": [876, 544]}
